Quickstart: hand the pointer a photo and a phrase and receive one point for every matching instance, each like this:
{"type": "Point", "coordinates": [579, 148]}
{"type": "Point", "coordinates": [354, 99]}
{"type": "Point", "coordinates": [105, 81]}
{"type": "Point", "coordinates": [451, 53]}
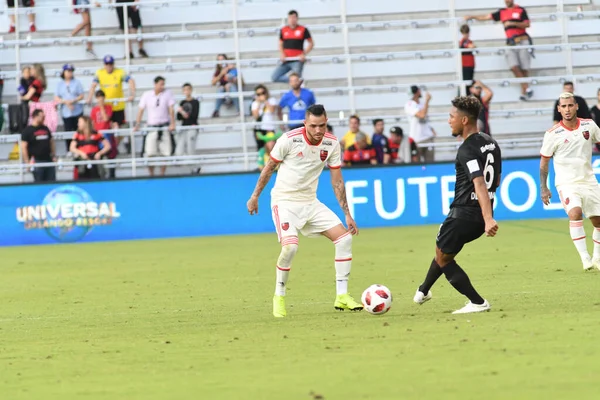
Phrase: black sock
{"type": "Point", "coordinates": [432, 276]}
{"type": "Point", "coordinates": [460, 280]}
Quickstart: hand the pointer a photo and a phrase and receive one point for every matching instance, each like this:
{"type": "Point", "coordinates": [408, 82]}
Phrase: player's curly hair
{"type": "Point", "coordinates": [468, 105]}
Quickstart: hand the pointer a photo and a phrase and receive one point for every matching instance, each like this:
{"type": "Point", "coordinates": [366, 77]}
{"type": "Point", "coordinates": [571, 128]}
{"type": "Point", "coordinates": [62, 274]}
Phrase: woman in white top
{"type": "Point", "coordinates": [264, 110]}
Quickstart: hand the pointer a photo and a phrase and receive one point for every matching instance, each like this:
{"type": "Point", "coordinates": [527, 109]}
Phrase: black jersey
{"type": "Point", "coordinates": [479, 155]}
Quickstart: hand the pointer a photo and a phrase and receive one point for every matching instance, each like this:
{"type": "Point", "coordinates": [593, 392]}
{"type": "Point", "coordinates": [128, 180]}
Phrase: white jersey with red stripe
{"type": "Point", "coordinates": [301, 164]}
{"type": "Point", "coordinates": [571, 150]}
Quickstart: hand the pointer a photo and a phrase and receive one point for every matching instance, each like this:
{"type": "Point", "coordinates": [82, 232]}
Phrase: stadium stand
{"type": "Point", "coordinates": [366, 56]}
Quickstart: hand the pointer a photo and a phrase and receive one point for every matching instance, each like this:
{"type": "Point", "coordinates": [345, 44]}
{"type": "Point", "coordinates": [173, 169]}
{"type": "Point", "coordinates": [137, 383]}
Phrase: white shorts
{"type": "Point", "coordinates": [587, 197]}
{"type": "Point", "coordinates": [154, 147]}
{"type": "Point", "coordinates": [310, 219]}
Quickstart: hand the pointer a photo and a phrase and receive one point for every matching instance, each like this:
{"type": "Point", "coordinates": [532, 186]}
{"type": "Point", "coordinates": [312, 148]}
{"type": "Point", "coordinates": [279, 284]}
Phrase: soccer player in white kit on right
{"type": "Point", "coordinates": [301, 155]}
{"type": "Point", "coordinates": [570, 144]}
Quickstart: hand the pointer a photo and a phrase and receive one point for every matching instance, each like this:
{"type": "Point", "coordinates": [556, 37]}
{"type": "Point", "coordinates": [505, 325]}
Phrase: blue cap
{"type": "Point", "coordinates": [109, 59]}
{"type": "Point", "coordinates": [68, 67]}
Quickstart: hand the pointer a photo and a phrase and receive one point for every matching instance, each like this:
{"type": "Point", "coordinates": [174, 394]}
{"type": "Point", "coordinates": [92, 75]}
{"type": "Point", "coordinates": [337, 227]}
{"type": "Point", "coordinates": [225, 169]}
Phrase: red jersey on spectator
{"type": "Point", "coordinates": [96, 116]}
{"type": "Point", "coordinates": [393, 150]}
{"type": "Point", "coordinates": [89, 146]}
{"type": "Point", "coordinates": [360, 156]}
{"type": "Point", "coordinates": [515, 14]}
{"type": "Point", "coordinates": [293, 40]}
{"type": "Point", "coordinates": [468, 59]}
{"type": "Point", "coordinates": [39, 90]}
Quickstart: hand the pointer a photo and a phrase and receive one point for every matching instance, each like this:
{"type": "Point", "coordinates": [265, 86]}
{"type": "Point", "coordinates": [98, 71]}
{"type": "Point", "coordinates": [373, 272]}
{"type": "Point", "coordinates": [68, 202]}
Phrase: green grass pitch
{"type": "Point", "coordinates": [191, 319]}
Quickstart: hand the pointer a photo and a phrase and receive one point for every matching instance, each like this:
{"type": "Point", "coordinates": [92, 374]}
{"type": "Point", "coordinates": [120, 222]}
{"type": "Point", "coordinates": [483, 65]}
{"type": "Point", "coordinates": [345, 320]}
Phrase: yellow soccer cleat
{"type": "Point", "coordinates": [346, 302]}
{"type": "Point", "coordinates": [279, 306]}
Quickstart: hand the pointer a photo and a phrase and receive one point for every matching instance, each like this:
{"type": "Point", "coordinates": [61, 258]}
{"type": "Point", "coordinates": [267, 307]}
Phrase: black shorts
{"type": "Point", "coordinates": [26, 3]}
{"type": "Point", "coordinates": [133, 13]}
{"type": "Point", "coordinates": [118, 117]}
{"type": "Point", "coordinates": [454, 233]}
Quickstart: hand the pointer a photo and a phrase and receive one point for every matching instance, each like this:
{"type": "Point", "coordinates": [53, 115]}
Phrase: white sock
{"type": "Point", "coordinates": [578, 236]}
{"type": "Point", "coordinates": [289, 247]}
{"type": "Point", "coordinates": [596, 237]}
{"type": "Point", "coordinates": [343, 262]}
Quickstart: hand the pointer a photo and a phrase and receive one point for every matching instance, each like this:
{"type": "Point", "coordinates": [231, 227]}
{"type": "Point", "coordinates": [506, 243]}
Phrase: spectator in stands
{"type": "Point", "coordinates": [291, 45]}
{"type": "Point", "coordinates": [582, 112]}
{"type": "Point", "coordinates": [25, 82]}
{"type": "Point", "coordinates": [134, 23]}
{"type": "Point", "coordinates": [101, 115]}
{"type": "Point", "coordinates": [69, 93]}
{"type": "Point", "coordinates": [380, 142]}
{"type": "Point", "coordinates": [421, 131]}
{"type": "Point", "coordinates": [37, 146]}
{"type": "Point", "coordinates": [595, 111]}
{"type": "Point", "coordinates": [468, 58]}
{"type": "Point", "coordinates": [37, 86]}
{"type": "Point", "coordinates": [264, 110]}
{"type": "Point", "coordinates": [30, 16]}
{"type": "Point", "coordinates": [88, 144]}
{"type": "Point", "coordinates": [515, 21]}
{"type": "Point", "coordinates": [296, 101]}
{"type": "Point", "coordinates": [159, 103]}
{"type": "Point", "coordinates": [350, 136]}
{"type": "Point", "coordinates": [86, 23]}
{"type": "Point", "coordinates": [225, 79]}
{"type": "Point", "coordinates": [187, 113]}
{"type": "Point", "coordinates": [361, 152]}
{"type": "Point", "coordinates": [111, 81]}
{"type": "Point", "coordinates": [264, 153]}
{"type": "Point", "coordinates": [484, 94]}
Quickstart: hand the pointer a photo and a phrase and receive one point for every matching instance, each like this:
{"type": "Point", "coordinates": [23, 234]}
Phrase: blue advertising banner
{"type": "Point", "coordinates": [216, 205]}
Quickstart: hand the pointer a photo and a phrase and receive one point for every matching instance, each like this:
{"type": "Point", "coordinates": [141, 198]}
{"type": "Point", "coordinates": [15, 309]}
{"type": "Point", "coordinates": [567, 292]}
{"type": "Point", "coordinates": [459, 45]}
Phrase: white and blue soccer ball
{"type": "Point", "coordinates": [377, 299]}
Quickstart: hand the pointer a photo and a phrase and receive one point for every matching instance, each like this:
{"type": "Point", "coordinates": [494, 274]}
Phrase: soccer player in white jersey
{"type": "Point", "coordinates": [301, 155]}
{"type": "Point", "coordinates": [570, 144]}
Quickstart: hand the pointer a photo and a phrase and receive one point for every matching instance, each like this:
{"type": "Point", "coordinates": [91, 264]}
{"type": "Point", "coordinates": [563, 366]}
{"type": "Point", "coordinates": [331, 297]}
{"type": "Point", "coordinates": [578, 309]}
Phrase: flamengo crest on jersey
{"type": "Point", "coordinates": [572, 152]}
{"type": "Point", "coordinates": [301, 164]}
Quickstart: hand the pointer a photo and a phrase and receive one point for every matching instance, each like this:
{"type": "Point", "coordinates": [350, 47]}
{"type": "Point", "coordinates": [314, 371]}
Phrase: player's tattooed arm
{"type": "Point", "coordinates": [545, 192]}
{"type": "Point", "coordinates": [337, 181]}
{"type": "Point", "coordinates": [265, 177]}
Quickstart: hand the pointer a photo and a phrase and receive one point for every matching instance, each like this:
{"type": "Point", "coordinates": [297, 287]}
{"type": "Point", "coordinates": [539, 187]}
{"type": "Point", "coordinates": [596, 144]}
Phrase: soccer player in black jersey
{"type": "Point", "coordinates": [478, 167]}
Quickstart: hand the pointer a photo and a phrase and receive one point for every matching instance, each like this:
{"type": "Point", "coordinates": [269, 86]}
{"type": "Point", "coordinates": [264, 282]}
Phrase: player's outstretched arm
{"type": "Point", "coordinates": [491, 227]}
{"type": "Point", "coordinates": [545, 192]}
{"type": "Point", "coordinates": [263, 179]}
{"type": "Point", "coordinates": [337, 181]}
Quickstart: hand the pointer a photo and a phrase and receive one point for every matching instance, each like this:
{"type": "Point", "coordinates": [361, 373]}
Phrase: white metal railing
{"type": "Point", "coordinates": [349, 59]}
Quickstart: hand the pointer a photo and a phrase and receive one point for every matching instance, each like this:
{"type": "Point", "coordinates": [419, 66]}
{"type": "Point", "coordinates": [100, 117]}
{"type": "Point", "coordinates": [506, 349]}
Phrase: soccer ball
{"type": "Point", "coordinates": [377, 299]}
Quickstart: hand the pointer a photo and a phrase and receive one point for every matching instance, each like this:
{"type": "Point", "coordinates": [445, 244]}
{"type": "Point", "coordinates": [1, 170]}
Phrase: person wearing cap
{"type": "Point", "coordinates": [395, 141]}
{"type": "Point", "coordinates": [111, 81]}
{"type": "Point", "coordinates": [68, 95]}
{"type": "Point", "coordinates": [421, 131]}
{"type": "Point", "coordinates": [361, 152]}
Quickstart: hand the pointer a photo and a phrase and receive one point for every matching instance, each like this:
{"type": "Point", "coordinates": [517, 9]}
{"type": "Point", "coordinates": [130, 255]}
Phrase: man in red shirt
{"type": "Point", "coordinates": [291, 45]}
{"type": "Point", "coordinates": [515, 21]}
{"type": "Point", "coordinates": [101, 115]}
{"type": "Point", "coordinates": [468, 59]}
{"type": "Point", "coordinates": [361, 152]}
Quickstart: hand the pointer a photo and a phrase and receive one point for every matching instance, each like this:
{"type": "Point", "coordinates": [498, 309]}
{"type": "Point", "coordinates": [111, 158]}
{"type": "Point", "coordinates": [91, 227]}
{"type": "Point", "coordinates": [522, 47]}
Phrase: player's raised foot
{"type": "Point", "coordinates": [421, 297]}
{"type": "Point", "coordinates": [279, 306]}
{"type": "Point", "coordinates": [346, 302]}
{"type": "Point", "coordinates": [589, 264]}
{"type": "Point", "coordinates": [473, 308]}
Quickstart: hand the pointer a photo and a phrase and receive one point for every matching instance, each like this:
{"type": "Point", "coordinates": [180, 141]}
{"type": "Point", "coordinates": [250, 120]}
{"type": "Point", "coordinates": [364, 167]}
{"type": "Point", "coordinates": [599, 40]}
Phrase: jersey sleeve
{"type": "Point", "coordinates": [595, 133]}
{"type": "Point", "coordinates": [496, 16]}
{"type": "Point", "coordinates": [471, 162]}
{"type": "Point", "coordinates": [307, 35]}
{"type": "Point", "coordinates": [97, 77]}
{"type": "Point", "coordinates": [548, 145]}
{"type": "Point", "coordinates": [281, 149]}
{"type": "Point", "coordinates": [335, 159]}
{"type": "Point", "coordinates": [524, 16]}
